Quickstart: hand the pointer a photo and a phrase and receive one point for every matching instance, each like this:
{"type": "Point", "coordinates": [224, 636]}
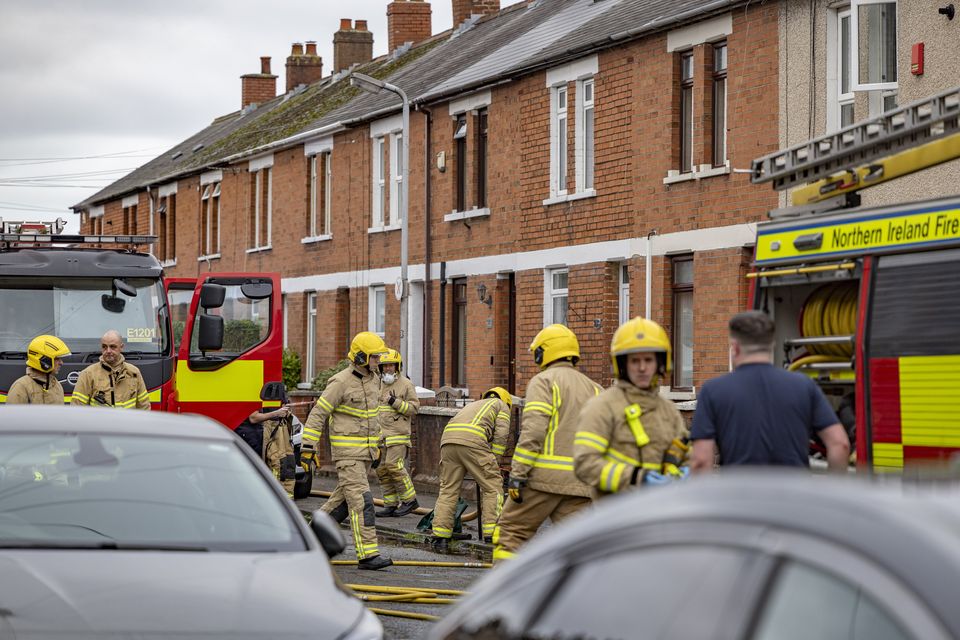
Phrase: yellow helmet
{"type": "Point", "coordinates": [43, 350]}
{"type": "Point", "coordinates": [392, 356]}
{"type": "Point", "coordinates": [364, 345]}
{"type": "Point", "coordinates": [500, 392]}
{"type": "Point", "coordinates": [553, 343]}
{"type": "Point", "coordinates": [639, 335]}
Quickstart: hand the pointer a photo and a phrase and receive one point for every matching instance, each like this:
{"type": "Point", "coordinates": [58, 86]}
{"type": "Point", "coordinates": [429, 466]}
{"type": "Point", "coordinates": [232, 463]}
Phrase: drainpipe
{"type": "Point", "coordinates": [649, 273]}
{"type": "Point", "coordinates": [443, 324]}
{"type": "Point", "coordinates": [427, 281]}
{"type": "Point", "coordinates": [151, 201]}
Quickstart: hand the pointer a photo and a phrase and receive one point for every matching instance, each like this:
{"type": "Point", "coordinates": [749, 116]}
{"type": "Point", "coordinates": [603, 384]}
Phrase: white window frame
{"type": "Point", "coordinates": [550, 294]}
{"type": "Point", "coordinates": [379, 181]}
{"type": "Point", "coordinates": [209, 207]}
{"type": "Point", "coordinates": [836, 98]}
{"type": "Point", "coordinates": [559, 139]}
{"type": "Point", "coordinates": [311, 346]}
{"type": "Point", "coordinates": [624, 289]}
{"type": "Point", "coordinates": [321, 228]}
{"type": "Point", "coordinates": [396, 177]}
{"type": "Point", "coordinates": [855, 84]}
{"type": "Point", "coordinates": [377, 321]}
{"type": "Point", "coordinates": [258, 199]}
{"type": "Point", "coordinates": [585, 152]}
{"type": "Point", "coordinates": [286, 323]}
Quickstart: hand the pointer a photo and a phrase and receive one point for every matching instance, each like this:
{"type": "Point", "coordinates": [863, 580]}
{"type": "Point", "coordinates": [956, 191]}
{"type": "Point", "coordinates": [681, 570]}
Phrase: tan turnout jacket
{"type": "Point", "coordinates": [122, 387]}
{"type": "Point", "coordinates": [482, 424]}
{"type": "Point", "coordinates": [551, 413]}
{"type": "Point", "coordinates": [352, 402]}
{"type": "Point", "coordinates": [36, 387]}
{"type": "Point", "coordinates": [605, 450]}
{"type": "Point", "coordinates": [395, 421]}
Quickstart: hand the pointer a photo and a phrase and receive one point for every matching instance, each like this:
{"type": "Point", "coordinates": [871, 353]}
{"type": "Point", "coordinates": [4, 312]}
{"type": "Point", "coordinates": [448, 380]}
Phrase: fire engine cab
{"type": "Point", "coordinates": [204, 345]}
{"type": "Point", "coordinates": [866, 300]}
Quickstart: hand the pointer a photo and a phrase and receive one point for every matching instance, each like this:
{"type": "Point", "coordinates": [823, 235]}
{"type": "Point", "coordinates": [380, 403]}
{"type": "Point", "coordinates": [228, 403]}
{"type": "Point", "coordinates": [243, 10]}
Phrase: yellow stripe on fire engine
{"type": "Point", "coordinates": [870, 233]}
{"type": "Point", "coordinates": [238, 381]}
{"type": "Point", "coordinates": [887, 456]}
{"type": "Point", "coordinates": [929, 402]}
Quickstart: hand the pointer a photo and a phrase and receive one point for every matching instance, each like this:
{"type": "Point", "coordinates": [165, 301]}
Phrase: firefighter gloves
{"type": "Point", "coordinates": [392, 399]}
{"type": "Point", "coordinates": [514, 488]}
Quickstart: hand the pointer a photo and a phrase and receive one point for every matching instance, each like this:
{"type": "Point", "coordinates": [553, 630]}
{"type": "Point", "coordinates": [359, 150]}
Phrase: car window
{"type": "Point", "coordinates": [808, 603]}
{"type": "Point", "coordinates": [140, 491]}
{"type": "Point", "coordinates": [652, 589]}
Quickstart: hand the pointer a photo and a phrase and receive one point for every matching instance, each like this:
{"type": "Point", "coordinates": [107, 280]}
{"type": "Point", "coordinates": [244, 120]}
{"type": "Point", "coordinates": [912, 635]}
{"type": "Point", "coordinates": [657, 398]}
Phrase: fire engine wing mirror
{"type": "Point", "coordinates": [124, 288]}
{"type": "Point", "coordinates": [211, 333]}
{"type": "Point", "coordinates": [256, 290]}
{"type": "Point", "coordinates": [328, 533]}
{"type": "Point", "coordinates": [212, 295]}
{"type": "Point", "coordinates": [272, 391]}
{"type": "Point", "coordinates": [113, 304]}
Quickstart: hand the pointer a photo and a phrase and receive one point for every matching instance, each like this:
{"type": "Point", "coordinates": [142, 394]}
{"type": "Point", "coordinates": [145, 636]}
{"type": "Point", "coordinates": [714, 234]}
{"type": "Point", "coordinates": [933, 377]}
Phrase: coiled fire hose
{"type": "Point", "coordinates": [414, 595]}
{"type": "Point", "coordinates": [831, 310]}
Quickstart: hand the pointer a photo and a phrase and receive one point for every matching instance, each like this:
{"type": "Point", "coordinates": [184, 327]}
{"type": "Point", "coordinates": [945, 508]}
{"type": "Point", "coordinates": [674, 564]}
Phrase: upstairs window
{"type": "Point", "coordinates": [686, 112]}
{"type": "Point", "coordinates": [379, 181]}
{"type": "Point", "coordinates": [873, 50]}
{"type": "Point", "coordinates": [319, 211]}
{"type": "Point", "coordinates": [130, 220]}
{"type": "Point", "coordinates": [481, 161]}
{"type": "Point", "coordinates": [260, 221]}
{"type": "Point", "coordinates": [460, 143]}
{"type": "Point", "coordinates": [396, 178]}
{"type": "Point", "coordinates": [167, 232]}
{"type": "Point", "coordinates": [585, 141]}
{"type": "Point", "coordinates": [720, 104]}
{"type": "Point", "coordinates": [559, 144]}
{"type": "Point", "coordinates": [210, 220]}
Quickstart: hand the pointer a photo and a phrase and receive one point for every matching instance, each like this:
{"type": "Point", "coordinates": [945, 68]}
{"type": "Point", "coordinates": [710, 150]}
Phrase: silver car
{"type": "Point", "coordinates": [129, 524]}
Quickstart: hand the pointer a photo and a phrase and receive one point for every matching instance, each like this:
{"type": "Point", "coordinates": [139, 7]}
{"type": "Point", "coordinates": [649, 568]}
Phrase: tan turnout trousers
{"type": "Point", "coordinates": [457, 460]}
{"type": "Point", "coordinates": [394, 479]}
{"type": "Point", "coordinates": [352, 497]}
{"type": "Point", "coordinates": [521, 520]}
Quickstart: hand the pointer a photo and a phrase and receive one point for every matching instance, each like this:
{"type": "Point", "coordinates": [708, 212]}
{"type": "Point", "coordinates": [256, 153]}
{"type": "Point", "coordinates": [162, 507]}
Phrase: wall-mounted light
{"type": "Point", "coordinates": [482, 294]}
{"type": "Point", "coordinates": [947, 11]}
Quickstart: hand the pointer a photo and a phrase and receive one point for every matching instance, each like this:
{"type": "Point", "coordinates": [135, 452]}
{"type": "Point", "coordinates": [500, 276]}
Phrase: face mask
{"type": "Point", "coordinates": [389, 378]}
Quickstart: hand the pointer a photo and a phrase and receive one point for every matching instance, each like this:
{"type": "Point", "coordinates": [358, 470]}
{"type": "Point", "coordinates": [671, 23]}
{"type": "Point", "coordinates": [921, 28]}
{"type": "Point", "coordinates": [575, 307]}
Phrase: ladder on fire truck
{"type": "Point", "coordinates": [828, 171]}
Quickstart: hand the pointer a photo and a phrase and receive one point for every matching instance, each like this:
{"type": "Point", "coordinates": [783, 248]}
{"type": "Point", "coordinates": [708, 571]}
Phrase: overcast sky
{"type": "Point", "coordinates": [114, 83]}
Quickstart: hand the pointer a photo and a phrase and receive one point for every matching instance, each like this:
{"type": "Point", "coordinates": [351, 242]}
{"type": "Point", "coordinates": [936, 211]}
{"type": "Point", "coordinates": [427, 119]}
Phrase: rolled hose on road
{"type": "Point", "coordinates": [411, 595]}
{"type": "Point", "coordinates": [424, 563]}
{"type": "Point", "coordinates": [420, 511]}
{"type": "Point", "coordinates": [831, 310]}
{"type": "Point", "coordinates": [403, 614]}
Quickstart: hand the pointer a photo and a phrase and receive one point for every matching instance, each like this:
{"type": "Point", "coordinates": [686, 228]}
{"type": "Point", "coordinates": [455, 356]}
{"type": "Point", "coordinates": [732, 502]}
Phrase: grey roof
{"type": "Point", "coordinates": [519, 39]}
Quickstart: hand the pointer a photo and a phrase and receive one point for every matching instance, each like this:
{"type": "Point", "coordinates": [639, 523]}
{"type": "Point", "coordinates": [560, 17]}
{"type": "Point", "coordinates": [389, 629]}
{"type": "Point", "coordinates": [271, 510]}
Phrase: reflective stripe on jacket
{"type": "Point", "coordinates": [483, 423]}
{"type": "Point", "coordinates": [544, 453]}
{"type": "Point", "coordinates": [608, 446]}
{"type": "Point", "coordinates": [395, 420]}
{"type": "Point", "coordinates": [36, 387]}
{"type": "Point", "coordinates": [120, 387]}
{"type": "Point", "coordinates": [351, 402]}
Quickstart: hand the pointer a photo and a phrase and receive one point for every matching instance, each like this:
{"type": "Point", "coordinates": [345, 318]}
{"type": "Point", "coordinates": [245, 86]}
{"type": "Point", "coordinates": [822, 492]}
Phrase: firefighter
{"type": "Point", "coordinates": [352, 401]}
{"type": "Point", "coordinates": [542, 483]}
{"type": "Point", "coordinates": [40, 385]}
{"type": "Point", "coordinates": [276, 449]}
{"type": "Point", "coordinates": [625, 432]}
{"type": "Point", "coordinates": [398, 405]}
{"type": "Point", "coordinates": [111, 382]}
{"type": "Point", "coordinates": [471, 443]}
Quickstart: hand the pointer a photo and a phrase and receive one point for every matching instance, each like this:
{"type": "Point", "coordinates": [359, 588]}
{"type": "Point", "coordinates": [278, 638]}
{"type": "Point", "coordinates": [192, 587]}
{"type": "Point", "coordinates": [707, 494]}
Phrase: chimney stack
{"type": "Point", "coordinates": [408, 21]}
{"type": "Point", "coordinates": [257, 88]}
{"type": "Point", "coordinates": [303, 68]}
{"type": "Point", "coordinates": [463, 9]}
{"type": "Point", "coordinates": [351, 45]}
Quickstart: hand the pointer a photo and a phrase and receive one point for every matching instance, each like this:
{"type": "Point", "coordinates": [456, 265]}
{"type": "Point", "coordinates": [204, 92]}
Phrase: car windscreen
{"type": "Point", "coordinates": [137, 492]}
{"type": "Point", "coordinates": [80, 311]}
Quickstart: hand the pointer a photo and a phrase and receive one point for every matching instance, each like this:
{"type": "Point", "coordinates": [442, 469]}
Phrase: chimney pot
{"type": "Point", "coordinates": [361, 25]}
{"type": "Point", "coordinates": [351, 46]}
{"type": "Point", "coordinates": [311, 48]}
{"type": "Point", "coordinates": [346, 24]}
{"type": "Point", "coordinates": [258, 87]}
{"type": "Point", "coordinates": [303, 69]}
{"type": "Point", "coordinates": [296, 49]}
{"type": "Point", "coordinates": [265, 65]}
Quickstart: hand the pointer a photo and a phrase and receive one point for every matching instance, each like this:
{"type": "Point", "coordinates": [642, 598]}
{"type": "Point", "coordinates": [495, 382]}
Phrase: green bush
{"type": "Point", "coordinates": [291, 369]}
{"type": "Point", "coordinates": [239, 335]}
{"type": "Point", "coordinates": [320, 382]}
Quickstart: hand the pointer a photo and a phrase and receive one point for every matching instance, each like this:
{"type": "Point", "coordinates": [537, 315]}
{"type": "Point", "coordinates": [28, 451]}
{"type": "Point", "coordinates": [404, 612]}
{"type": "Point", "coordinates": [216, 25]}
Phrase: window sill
{"type": "Point", "coordinates": [677, 396]}
{"type": "Point", "coordinates": [168, 263]}
{"type": "Point", "coordinates": [579, 195]}
{"type": "Point", "coordinates": [212, 256]}
{"type": "Point", "coordinates": [259, 249]}
{"type": "Point", "coordinates": [464, 215]}
{"type": "Point", "coordinates": [704, 171]}
{"type": "Point", "coordinates": [314, 239]}
{"type": "Point", "coordinates": [391, 227]}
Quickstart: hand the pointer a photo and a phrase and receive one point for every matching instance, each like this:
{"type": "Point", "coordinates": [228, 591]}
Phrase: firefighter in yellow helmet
{"type": "Point", "coordinates": [471, 443]}
{"type": "Point", "coordinates": [398, 405]}
{"type": "Point", "coordinates": [40, 385]}
{"type": "Point", "coordinates": [626, 430]}
{"type": "Point", "coordinates": [111, 382]}
{"type": "Point", "coordinates": [351, 401]}
{"type": "Point", "coordinates": [542, 482]}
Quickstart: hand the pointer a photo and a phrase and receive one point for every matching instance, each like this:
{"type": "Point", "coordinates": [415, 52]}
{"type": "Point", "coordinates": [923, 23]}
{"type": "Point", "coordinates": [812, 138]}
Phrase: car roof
{"type": "Point", "coordinates": [52, 419]}
{"type": "Point", "coordinates": [910, 529]}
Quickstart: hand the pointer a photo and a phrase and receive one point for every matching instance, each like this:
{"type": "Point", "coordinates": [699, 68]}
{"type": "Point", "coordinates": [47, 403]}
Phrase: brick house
{"type": "Point", "coordinates": [570, 161]}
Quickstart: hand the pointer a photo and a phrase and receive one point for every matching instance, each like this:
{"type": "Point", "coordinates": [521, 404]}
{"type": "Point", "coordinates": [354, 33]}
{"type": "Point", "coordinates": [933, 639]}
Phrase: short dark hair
{"type": "Point", "coordinates": [753, 330]}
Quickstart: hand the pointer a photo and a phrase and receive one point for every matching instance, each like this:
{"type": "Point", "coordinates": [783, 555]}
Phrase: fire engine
{"type": "Point", "coordinates": [205, 345]}
{"type": "Point", "coordinates": [866, 300]}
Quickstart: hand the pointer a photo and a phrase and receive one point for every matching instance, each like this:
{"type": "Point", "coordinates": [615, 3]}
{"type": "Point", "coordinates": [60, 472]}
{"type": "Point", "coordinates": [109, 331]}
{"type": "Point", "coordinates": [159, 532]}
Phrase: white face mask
{"type": "Point", "coordinates": [389, 378]}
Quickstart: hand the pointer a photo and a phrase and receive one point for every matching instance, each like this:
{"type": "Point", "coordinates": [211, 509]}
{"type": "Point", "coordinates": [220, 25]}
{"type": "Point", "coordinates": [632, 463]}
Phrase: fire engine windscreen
{"type": "Point", "coordinates": [74, 310]}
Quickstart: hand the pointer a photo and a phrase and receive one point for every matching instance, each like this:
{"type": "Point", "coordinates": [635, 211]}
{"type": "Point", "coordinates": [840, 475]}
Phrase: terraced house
{"type": "Point", "coordinates": [574, 161]}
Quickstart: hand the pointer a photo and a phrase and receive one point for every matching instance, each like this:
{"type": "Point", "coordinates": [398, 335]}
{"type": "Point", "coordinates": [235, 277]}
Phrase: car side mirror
{"type": "Point", "coordinates": [211, 333]}
{"type": "Point", "coordinates": [212, 295]}
{"type": "Point", "coordinates": [113, 304]}
{"type": "Point", "coordinates": [328, 533]}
